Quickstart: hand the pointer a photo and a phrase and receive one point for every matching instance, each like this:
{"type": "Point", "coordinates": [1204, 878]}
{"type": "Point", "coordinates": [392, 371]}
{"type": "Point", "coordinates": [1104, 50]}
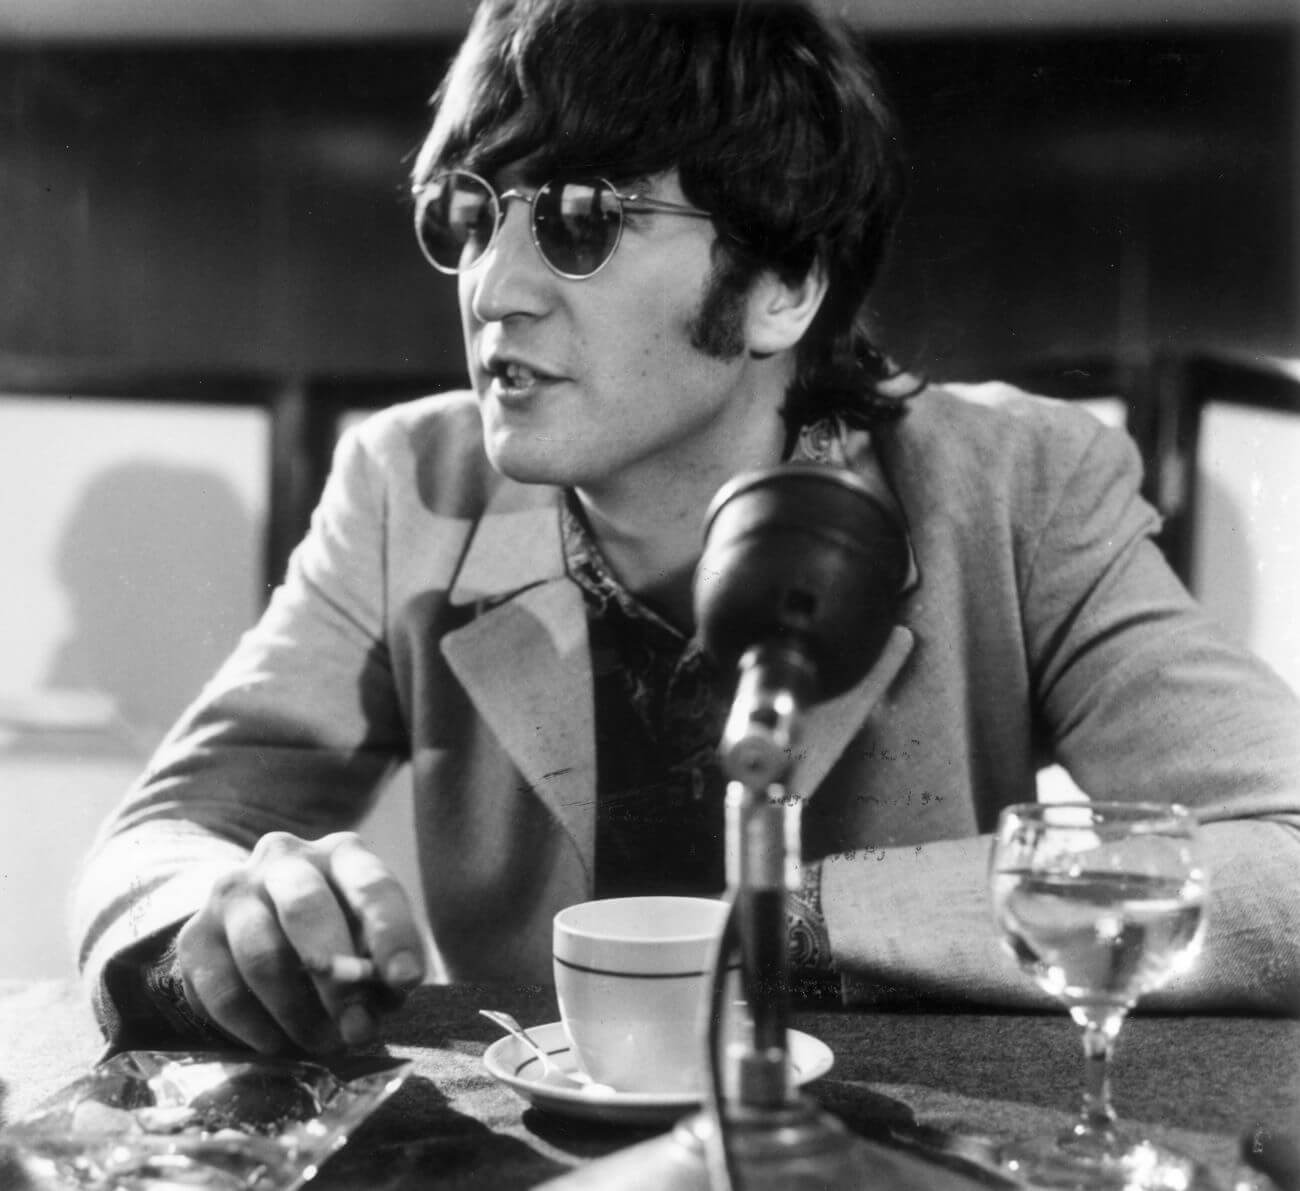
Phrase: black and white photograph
{"type": "Point", "coordinates": [662, 595]}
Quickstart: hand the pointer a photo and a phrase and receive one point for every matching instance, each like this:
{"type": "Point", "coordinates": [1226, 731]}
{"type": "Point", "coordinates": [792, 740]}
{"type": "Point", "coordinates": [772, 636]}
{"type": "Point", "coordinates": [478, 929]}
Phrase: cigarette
{"type": "Point", "coordinates": [351, 969]}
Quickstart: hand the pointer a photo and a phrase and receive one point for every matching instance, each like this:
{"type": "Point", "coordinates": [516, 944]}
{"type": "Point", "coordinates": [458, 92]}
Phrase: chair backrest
{"type": "Point", "coordinates": [1229, 451]}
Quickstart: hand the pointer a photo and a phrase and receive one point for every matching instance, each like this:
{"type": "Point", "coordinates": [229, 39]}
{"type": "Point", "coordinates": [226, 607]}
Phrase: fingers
{"type": "Point", "coordinates": [283, 961]}
{"type": "Point", "coordinates": [233, 928]}
{"type": "Point", "coordinates": [305, 906]}
{"type": "Point", "coordinates": [257, 958]}
{"type": "Point", "coordinates": [230, 1005]}
{"type": "Point", "coordinates": [380, 909]}
{"type": "Point", "coordinates": [273, 973]}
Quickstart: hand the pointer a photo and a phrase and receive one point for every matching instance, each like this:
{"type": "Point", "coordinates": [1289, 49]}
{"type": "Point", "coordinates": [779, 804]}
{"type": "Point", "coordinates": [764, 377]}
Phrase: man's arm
{"type": "Point", "coordinates": [296, 733]}
{"type": "Point", "coordinates": [1141, 698]}
{"type": "Point", "coordinates": [911, 922]}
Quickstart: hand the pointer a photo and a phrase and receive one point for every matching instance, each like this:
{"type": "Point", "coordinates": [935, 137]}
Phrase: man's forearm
{"type": "Point", "coordinates": [915, 922]}
{"type": "Point", "coordinates": [1251, 956]}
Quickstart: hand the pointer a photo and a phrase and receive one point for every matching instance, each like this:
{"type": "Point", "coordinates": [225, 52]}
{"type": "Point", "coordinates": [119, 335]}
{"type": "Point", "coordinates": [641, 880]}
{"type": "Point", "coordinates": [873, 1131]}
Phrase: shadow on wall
{"type": "Point", "coordinates": [156, 563]}
{"type": "Point", "coordinates": [159, 564]}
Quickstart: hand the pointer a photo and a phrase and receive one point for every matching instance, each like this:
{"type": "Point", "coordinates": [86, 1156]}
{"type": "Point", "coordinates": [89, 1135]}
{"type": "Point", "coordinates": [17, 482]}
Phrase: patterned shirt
{"type": "Point", "coordinates": [659, 715]}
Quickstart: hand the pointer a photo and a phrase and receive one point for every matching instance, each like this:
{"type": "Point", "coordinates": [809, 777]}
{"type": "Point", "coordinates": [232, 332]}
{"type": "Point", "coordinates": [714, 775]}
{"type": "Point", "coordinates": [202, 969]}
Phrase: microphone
{"type": "Point", "coordinates": [794, 594]}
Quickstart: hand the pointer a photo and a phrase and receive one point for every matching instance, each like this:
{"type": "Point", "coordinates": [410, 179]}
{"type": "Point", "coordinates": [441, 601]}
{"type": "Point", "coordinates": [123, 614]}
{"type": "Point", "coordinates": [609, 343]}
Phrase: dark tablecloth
{"type": "Point", "coordinates": [1196, 1082]}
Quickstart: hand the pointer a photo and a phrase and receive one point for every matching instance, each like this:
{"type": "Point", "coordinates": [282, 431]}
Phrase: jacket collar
{"type": "Point", "coordinates": [515, 545]}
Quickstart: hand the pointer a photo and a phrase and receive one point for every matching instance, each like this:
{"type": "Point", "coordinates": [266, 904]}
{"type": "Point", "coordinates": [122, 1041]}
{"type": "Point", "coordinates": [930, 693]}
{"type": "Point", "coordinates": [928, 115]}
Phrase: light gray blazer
{"type": "Point", "coordinates": [427, 617]}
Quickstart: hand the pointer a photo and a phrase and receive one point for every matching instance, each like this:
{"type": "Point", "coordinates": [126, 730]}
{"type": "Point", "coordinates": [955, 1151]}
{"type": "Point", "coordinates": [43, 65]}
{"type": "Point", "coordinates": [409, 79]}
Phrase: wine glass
{"type": "Point", "coordinates": [1099, 902]}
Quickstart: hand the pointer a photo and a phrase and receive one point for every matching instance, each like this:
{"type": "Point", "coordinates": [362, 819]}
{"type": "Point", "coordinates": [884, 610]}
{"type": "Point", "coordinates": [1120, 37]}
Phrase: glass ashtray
{"type": "Point", "coordinates": [157, 1121]}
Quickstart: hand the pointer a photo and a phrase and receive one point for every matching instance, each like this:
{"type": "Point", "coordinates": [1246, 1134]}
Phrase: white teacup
{"type": "Point", "coordinates": [632, 978]}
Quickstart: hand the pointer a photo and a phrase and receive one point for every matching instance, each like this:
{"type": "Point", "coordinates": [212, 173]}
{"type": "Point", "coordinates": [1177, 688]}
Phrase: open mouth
{"type": "Point", "coordinates": [513, 380]}
{"type": "Point", "coordinates": [518, 376]}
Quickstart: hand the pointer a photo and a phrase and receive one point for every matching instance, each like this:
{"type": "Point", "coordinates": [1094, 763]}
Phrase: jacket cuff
{"type": "Point", "coordinates": [141, 1002]}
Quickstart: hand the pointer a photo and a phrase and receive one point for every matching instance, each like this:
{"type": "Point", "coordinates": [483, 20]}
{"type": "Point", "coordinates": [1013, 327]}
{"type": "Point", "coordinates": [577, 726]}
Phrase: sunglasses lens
{"type": "Point", "coordinates": [454, 220]}
{"type": "Point", "coordinates": [577, 225]}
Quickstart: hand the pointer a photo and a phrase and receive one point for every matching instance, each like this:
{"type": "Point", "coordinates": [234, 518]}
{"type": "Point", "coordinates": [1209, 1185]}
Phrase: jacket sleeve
{"type": "Point", "coordinates": [296, 733]}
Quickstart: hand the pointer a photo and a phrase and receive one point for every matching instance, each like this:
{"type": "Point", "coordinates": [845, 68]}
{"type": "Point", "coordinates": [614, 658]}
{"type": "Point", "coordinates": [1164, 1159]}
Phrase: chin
{"type": "Point", "coordinates": [529, 462]}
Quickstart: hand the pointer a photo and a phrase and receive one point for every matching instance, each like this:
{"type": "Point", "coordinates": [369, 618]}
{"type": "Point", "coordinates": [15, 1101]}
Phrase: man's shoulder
{"type": "Point", "coordinates": [996, 408]}
{"type": "Point", "coordinates": [428, 454]}
{"type": "Point", "coordinates": [995, 425]}
{"type": "Point", "coordinates": [992, 451]}
{"type": "Point", "coordinates": [437, 421]}
{"type": "Point", "coordinates": [433, 440]}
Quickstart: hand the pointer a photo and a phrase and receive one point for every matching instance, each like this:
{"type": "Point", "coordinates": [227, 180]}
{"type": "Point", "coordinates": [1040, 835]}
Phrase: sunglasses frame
{"type": "Point", "coordinates": [628, 204]}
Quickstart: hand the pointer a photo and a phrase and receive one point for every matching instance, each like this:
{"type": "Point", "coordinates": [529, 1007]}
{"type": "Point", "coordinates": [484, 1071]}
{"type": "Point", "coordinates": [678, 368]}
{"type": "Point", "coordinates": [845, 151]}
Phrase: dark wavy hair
{"type": "Point", "coordinates": [771, 114]}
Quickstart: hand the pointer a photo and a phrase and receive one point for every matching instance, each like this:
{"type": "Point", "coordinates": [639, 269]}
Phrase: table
{"type": "Point", "coordinates": [1197, 1082]}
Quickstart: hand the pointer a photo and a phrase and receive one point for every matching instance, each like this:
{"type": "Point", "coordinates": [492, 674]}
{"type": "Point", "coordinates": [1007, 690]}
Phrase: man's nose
{"type": "Point", "coordinates": [510, 278]}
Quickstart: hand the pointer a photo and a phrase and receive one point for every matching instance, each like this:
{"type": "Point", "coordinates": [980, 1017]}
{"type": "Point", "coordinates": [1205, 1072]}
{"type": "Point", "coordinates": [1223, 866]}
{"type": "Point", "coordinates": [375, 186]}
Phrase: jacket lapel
{"type": "Point", "coordinates": [829, 727]}
{"type": "Point", "coordinates": [524, 660]}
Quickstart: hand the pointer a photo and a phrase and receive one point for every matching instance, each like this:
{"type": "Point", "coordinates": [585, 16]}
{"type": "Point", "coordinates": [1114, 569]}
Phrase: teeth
{"type": "Point", "coordinates": [516, 375]}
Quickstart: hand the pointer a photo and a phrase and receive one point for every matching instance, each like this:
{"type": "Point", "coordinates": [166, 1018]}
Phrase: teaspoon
{"type": "Point", "coordinates": [511, 1026]}
{"type": "Point", "coordinates": [550, 1072]}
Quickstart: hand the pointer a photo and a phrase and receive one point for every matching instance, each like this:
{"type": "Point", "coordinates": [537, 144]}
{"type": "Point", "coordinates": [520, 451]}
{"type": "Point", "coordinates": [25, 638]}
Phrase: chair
{"type": "Point", "coordinates": [1228, 445]}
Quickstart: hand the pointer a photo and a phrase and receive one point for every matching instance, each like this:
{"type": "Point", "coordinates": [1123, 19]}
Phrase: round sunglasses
{"type": "Point", "coordinates": [576, 225]}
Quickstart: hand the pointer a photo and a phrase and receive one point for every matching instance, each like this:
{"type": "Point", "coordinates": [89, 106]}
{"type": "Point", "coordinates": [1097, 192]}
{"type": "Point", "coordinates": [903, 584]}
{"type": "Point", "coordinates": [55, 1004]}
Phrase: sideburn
{"type": "Point", "coordinates": [718, 327]}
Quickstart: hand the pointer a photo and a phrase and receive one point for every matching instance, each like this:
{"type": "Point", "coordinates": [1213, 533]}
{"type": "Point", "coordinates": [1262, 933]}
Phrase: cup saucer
{"type": "Point", "coordinates": [511, 1062]}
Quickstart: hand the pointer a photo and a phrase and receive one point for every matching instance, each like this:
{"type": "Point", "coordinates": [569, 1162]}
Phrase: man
{"type": "Point", "coordinates": [663, 221]}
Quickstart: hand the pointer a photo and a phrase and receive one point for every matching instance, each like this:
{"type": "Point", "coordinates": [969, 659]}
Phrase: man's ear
{"type": "Point", "coordinates": [780, 311]}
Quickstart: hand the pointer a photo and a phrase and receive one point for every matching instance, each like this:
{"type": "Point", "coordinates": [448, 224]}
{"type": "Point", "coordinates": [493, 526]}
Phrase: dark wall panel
{"type": "Point", "coordinates": [1100, 194]}
{"type": "Point", "coordinates": [245, 208]}
{"type": "Point", "coordinates": [220, 207]}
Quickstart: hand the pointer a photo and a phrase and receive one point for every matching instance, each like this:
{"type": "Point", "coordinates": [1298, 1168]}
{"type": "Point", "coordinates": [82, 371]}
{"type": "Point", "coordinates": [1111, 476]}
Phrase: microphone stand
{"type": "Point", "coordinates": [769, 1135]}
{"type": "Point", "coordinates": [761, 1134]}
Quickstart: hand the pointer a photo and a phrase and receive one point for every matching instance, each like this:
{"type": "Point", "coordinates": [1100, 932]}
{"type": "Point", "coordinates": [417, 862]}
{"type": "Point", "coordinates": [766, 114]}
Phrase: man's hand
{"type": "Point", "coordinates": [256, 958]}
